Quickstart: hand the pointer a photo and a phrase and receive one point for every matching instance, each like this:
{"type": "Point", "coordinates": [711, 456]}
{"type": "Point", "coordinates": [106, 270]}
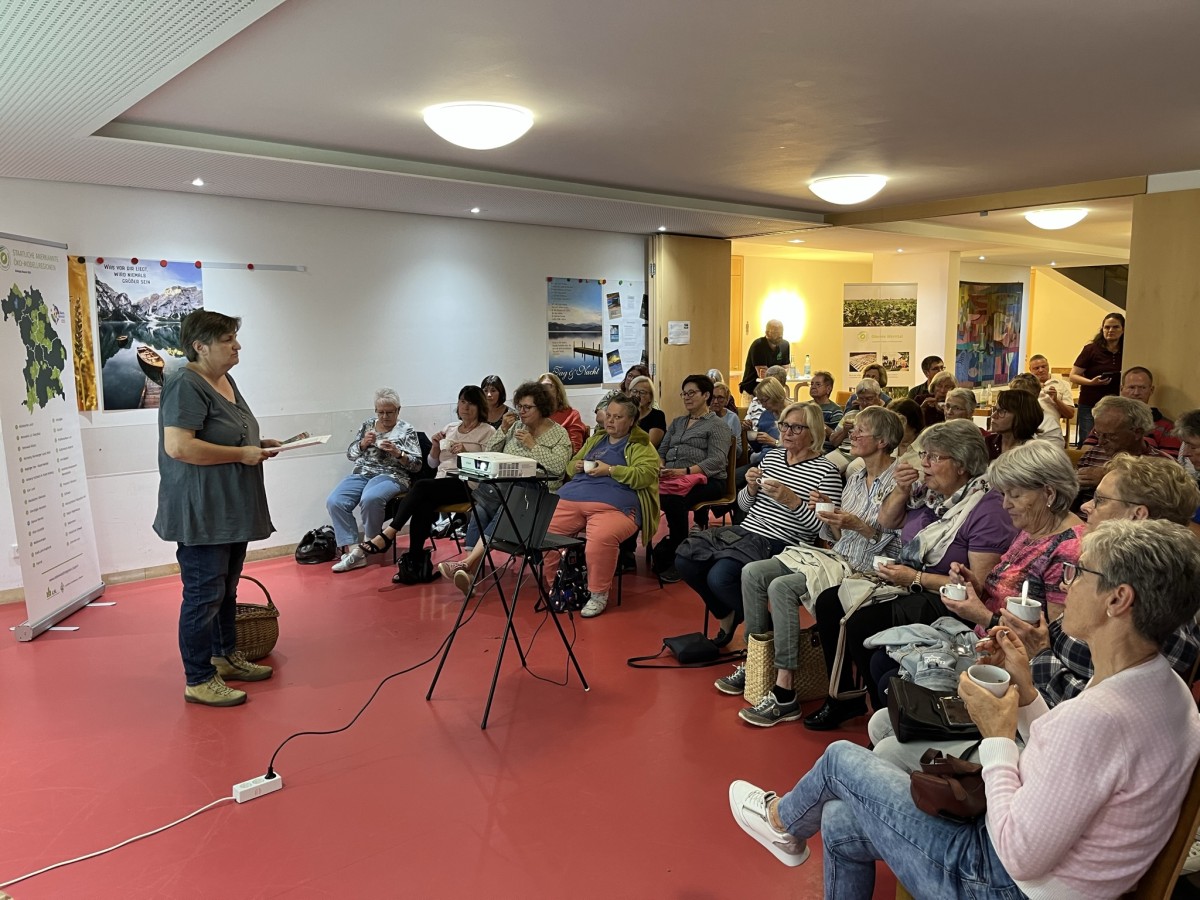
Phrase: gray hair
{"type": "Point", "coordinates": [967, 397]}
{"type": "Point", "coordinates": [779, 373]}
{"type": "Point", "coordinates": [1188, 424]}
{"type": "Point", "coordinates": [1161, 485]}
{"type": "Point", "coordinates": [885, 425]}
{"type": "Point", "coordinates": [1136, 413]}
{"type": "Point", "coordinates": [813, 418]}
{"type": "Point", "coordinates": [1035, 465]}
{"type": "Point", "coordinates": [1159, 560]}
{"type": "Point", "coordinates": [942, 377]}
{"type": "Point", "coordinates": [387, 395]}
{"type": "Point", "coordinates": [961, 441]}
{"type": "Point", "coordinates": [870, 385]}
{"type": "Point", "coordinates": [717, 376]}
{"type": "Point", "coordinates": [625, 403]}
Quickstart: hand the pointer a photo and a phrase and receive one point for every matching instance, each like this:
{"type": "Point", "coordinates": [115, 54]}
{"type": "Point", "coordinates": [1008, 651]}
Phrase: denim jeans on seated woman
{"type": "Point", "coordinates": [863, 807]}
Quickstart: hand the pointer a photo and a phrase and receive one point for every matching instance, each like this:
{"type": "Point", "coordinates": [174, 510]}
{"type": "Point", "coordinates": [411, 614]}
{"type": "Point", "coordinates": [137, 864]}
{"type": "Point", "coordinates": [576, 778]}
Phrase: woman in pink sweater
{"type": "Point", "coordinates": [1083, 809]}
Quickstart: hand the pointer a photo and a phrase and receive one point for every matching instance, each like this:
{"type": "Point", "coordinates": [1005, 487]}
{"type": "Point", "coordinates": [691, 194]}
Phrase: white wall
{"type": "Point", "coordinates": [422, 304]}
{"type": "Point", "coordinates": [936, 276]}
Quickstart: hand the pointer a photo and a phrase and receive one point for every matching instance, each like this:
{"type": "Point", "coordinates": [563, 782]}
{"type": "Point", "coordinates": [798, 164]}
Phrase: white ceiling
{"type": "Point", "coordinates": [706, 118]}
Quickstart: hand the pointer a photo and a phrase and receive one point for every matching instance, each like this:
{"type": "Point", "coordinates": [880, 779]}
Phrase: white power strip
{"type": "Point", "coordinates": [256, 787]}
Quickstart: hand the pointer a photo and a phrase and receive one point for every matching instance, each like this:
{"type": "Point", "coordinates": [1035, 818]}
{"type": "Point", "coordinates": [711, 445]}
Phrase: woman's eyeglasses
{"type": "Point", "coordinates": [387, 412]}
{"type": "Point", "coordinates": [688, 395]}
{"type": "Point", "coordinates": [791, 427]}
{"type": "Point", "coordinates": [526, 407]}
{"type": "Point", "coordinates": [932, 458]}
{"type": "Point", "coordinates": [1071, 571]}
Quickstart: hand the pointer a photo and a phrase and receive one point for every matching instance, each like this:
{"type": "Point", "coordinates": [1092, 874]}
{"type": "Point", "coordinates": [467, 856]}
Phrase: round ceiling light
{"type": "Point", "coordinates": [1054, 219]}
{"type": "Point", "coordinates": [847, 189]}
{"type": "Point", "coordinates": [478, 125]}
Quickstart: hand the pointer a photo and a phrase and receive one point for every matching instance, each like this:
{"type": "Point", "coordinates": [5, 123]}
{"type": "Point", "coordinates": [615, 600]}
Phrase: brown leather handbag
{"type": "Point", "coordinates": [949, 787]}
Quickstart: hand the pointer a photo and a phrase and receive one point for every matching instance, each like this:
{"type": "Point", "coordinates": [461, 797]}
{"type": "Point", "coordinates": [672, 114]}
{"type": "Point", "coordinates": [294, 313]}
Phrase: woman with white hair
{"type": "Point", "coordinates": [385, 453]}
{"type": "Point", "coordinates": [1082, 809]}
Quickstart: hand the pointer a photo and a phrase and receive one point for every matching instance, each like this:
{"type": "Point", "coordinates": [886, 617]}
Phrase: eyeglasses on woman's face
{"type": "Point", "coordinates": [792, 427]}
{"type": "Point", "coordinates": [387, 411]}
{"type": "Point", "coordinates": [526, 407]}
{"type": "Point", "coordinates": [1070, 572]}
{"type": "Point", "coordinates": [857, 435]}
{"type": "Point", "coordinates": [932, 458]}
{"type": "Point", "coordinates": [688, 395]}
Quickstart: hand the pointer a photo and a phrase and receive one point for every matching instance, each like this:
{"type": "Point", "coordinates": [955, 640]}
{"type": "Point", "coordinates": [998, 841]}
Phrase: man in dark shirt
{"type": "Point", "coordinates": [769, 350]}
{"type": "Point", "coordinates": [930, 366]}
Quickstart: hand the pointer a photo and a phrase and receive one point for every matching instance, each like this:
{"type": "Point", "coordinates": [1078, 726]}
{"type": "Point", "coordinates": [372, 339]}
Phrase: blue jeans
{"type": "Point", "coordinates": [862, 806]}
{"type": "Point", "coordinates": [372, 494]}
{"type": "Point", "coordinates": [719, 583]}
{"type": "Point", "coordinates": [207, 617]}
{"type": "Point", "coordinates": [487, 510]}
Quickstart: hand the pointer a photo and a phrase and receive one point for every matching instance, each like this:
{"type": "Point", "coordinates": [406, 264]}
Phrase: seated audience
{"type": "Point", "coordinates": [650, 418]}
{"type": "Point", "coordinates": [385, 453]}
{"type": "Point", "coordinates": [722, 408]}
{"type": "Point", "coordinates": [696, 446]}
{"type": "Point", "coordinates": [951, 516]}
{"type": "Point", "coordinates": [931, 405]}
{"type": "Point", "coordinates": [1138, 384]}
{"type": "Point", "coordinates": [1082, 810]}
{"type": "Point", "coordinates": [914, 424]}
{"type": "Point", "coordinates": [1120, 426]}
{"type": "Point", "coordinates": [1137, 489]}
{"type": "Point", "coordinates": [420, 505]}
{"type": "Point", "coordinates": [637, 370]}
{"type": "Point", "coordinates": [774, 399]}
{"type": "Point", "coordinates": [611, 491]}
{"type": "Point", "coordinates": [867, 393]}
{"type": "Point", "coordinates": [1187, 430]}
{"type": "Point", "coordinates": [1016, 416]}
{"type": "Point", "coordinates": [495, 395]}
{"type": "Point", "coordinates": [960, 404]}
{"type": "Point", "coordinates": [530, 433]}
{"type": "Point", "coordinates": [1054, 396]}
{"type": "Point", "coordinates": [565, 414]}
{"type": "Point", "coordinates": [930, 367]}
{"type": "Point", "coordinates": [755, 409]}
{"type": "Point", "coordinates": [776, 503]}
{"type": "Point", "coordinates": [874, 373]}
{"type": "Point", "coordinates": [820, 389]}
{"type": "Point", "coordinates": [774, 589]}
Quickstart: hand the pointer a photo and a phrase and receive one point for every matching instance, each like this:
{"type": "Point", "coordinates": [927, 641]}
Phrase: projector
{"type": "Point", "coordinates": [497, 465]}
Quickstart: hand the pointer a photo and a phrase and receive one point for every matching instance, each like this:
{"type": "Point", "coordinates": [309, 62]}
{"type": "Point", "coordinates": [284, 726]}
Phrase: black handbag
{"type": "Point", "coordinates": [919, 714]}
{"type": "Point", "coordinates": [317, 546]}
{"type": "Point", "coordinates": [691, 651]}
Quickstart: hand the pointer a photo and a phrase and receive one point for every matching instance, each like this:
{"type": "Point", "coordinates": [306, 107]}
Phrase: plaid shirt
{"type": "Point", "coordinates": [1065, 669]}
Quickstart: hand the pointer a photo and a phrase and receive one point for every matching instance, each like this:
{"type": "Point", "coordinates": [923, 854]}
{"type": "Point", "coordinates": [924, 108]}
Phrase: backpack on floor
{"type": "Point", "coordinates": [415, 567]}
{"type": "Point", "coordinates": [317, 546]}
{"type": "Point", "coordinates": [570, 592]}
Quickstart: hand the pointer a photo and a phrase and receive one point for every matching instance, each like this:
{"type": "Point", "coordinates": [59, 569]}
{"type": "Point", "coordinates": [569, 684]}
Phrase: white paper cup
{"type": "Point", "coordinates": [446, 442]}
{"type": "Point", "coordinates": [827, 508]}
{"type": "Point", "coordinates": [954, 591]}
{"type": "Point", "coordinates": [589, 465]}
{"type": "Point", "coordinates": [752, 435]}
{"type": "Point", "coordinates": [994, 678]}
{"type": "Point", "coordinates": [1027, 609]}
{"type": "Point", "coordinates": [883, 561]}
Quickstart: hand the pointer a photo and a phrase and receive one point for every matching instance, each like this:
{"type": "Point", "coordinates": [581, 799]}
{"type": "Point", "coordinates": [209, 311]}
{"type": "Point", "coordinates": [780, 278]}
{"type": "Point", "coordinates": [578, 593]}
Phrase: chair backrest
{"type": "Point", "coordinates": [1075, 455]}
{"type": "Point", "coordinates": [1159, 881]}
{"type": "Point", "coordinates": [427, 471]}
{"type": "Point", "coordinates": [731, 488]}
{"type": "Point", "coordinates": [842, 398]}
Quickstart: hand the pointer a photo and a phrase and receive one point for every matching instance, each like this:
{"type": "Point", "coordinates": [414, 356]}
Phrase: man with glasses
{"type": "Point", "coordinates": [769, 350]}
{"type": "Point", "coordinates": [821, 391]}
{"type": "Point", "coordinates": [1134, 488]}
{"type": "Point", "coordinates": [1138, 384]}
{"type": "Point", "coordinates": [1120, 426]}
{"type": "Point", "coordinates": [930, 366]}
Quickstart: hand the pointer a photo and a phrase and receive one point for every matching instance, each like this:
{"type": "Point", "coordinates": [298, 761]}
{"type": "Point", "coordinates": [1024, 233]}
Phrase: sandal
{"type": "Point", "coordinates": [370, 548]}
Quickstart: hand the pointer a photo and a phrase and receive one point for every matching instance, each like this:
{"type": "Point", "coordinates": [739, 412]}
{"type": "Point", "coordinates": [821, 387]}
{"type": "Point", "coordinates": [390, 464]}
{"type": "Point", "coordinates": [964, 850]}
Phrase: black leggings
{"type": "Point", "coordinates": [676, 507]}
{"type": "Point", "coordinates": [419, 506]}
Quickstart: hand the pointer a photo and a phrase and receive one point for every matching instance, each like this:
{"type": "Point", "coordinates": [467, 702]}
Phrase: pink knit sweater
{"type": "Point", "coordinates": [1096, 792]}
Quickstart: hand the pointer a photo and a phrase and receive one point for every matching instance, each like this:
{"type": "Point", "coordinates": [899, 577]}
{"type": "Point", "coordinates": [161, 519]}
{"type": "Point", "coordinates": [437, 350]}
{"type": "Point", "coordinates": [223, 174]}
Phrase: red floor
{"type": "Point", "coordinates": [618, 792]}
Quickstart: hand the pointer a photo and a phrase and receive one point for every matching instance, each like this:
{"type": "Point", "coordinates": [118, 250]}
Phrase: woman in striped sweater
{"type": "Point", "coordinates": [775, 500]}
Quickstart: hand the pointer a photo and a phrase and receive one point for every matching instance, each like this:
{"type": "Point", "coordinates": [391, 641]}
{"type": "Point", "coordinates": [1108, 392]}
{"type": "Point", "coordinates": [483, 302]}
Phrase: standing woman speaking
{"type": "Point", "coordinates": [1098, 370]}
{"type": "Point", "coordinates": [211, 502]}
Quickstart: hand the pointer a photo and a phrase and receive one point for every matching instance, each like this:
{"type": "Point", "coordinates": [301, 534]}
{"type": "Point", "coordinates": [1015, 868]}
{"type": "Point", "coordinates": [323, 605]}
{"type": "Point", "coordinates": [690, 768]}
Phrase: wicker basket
{"type": "Point", "coordinates": [811, 679]}
{"type": "Point", "coordinates": [760, 667]}
{"type": "Point", "coordinates": [257, 625]}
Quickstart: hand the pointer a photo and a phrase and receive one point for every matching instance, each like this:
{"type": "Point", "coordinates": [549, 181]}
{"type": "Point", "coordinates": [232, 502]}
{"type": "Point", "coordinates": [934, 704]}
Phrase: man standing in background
{"type": "Point", "coordinates": [1054, 398]}
{"type": "Point", "coordinates": [769, 350]}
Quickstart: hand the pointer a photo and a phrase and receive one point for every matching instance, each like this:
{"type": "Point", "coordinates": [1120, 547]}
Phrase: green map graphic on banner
{"type": "Point", "coordinates": [45, 355]}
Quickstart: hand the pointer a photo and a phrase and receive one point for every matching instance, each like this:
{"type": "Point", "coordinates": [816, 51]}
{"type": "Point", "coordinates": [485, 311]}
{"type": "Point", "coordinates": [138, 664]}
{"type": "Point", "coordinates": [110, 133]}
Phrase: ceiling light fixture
{"type": "Point", "coordinates": [1053, 263]}
{"type": "Point", "coordinates": [662, 227]}
{"type": "Point", "coordinates": [847, 189]}
{"type": "Point", "coordinates": [795, 241]}
{"type": "Point", "coordinates": [197, 182]}
{"type": "Point", "coordinates": [899, 249]}
{"type": "Point", "coordinates": [982, 258]}
{"type": "Point", "coordinates": [1054, 219]}
{"type": "Point", "coordinates": [476, 210]}
{"type": "Point", "coordinates": [478, 125]}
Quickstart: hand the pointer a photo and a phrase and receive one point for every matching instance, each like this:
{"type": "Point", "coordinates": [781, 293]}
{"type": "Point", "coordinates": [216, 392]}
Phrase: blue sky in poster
{"type": "Point", "coordinates": [148, 277]}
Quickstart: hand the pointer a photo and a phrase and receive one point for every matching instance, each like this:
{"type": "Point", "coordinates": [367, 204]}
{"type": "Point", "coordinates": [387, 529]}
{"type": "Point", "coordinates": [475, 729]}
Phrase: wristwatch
{"type": "Point", "coordinates": [995, 620]}
{"type": "Point", "coordinates": [916, 587]}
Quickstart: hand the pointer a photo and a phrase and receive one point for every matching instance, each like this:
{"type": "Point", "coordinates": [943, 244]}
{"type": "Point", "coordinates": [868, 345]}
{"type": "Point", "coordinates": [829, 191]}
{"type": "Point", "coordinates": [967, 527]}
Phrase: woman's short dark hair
{"type": "Point", "coordinates": [204, 326]}
{"type": "Point", "coordinates": [881, 377]}
{"type": "Point", "coordinates": [494, 381]}
{"type": "Point", "coordinates": [1026, 412]}
{"type": "Point", "coordinates": [910, 412]}
{"type": "Point", "coordinates": [474, 396]}
{"type": "Point", "coordinates": [637, 370]}
{"type": "Point", "coordinates": [1099, 341]}
{"type": "Point", "coordinates": [541, 395]}
{"type": "Point", "coordinates": [703, 384]}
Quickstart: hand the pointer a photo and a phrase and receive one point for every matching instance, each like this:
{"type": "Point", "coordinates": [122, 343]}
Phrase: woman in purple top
{"type": "Point", "coordinates": [949, 516]}
{"type": "Point", "coordinates": [1097, 370]}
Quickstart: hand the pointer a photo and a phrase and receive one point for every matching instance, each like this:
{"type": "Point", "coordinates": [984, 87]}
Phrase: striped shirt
{"type": "Point", "coordinates": [775, 521]}
{"type": "Point", "coordinates": [705, 444]}
{"type": "Point", "coordinates": [858, 550]}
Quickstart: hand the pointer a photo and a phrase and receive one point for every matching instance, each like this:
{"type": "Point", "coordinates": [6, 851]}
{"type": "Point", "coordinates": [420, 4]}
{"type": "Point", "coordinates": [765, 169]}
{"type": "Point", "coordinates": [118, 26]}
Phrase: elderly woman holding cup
{"type": "Point", "coordinates": [1054, 827]}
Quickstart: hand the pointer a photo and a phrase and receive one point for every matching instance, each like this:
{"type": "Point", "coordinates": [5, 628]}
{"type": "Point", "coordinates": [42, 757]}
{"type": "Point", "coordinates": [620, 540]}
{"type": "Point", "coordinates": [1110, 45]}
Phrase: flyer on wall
{"type": "Point", "coordinates": [139, 306]}
{"type": "Point", "coordinates": [42, 449]}
{"type": "Point", "coordinates": [575, 330]}
{"type": "Point", "coordinates": [879, 326]}
{"type": "Point", "coordinates": [625, 337]}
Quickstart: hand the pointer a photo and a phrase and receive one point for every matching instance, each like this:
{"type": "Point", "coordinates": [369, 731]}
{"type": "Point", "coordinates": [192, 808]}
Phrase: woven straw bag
{"type": "Point", "coordinates": [812, 678]}
{"type": "Point", "coordinates": [760, 666]}
{"type": "Point", "coordinates": [257, 625]}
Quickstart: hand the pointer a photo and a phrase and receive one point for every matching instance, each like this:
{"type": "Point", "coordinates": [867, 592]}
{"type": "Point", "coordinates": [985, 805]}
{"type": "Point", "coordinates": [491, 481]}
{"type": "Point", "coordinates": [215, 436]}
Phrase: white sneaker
{"type": "Point", "coordinates": [594, 606]}
{"type": "Point", "coordinates": [355, 559]}
{"type": "Point", "coordinates": [749, 805]}
{"type": "Point", "coordinates": [1191, 865]}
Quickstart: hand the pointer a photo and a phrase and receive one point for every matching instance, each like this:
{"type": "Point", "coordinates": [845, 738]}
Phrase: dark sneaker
{"type": "Point", "coordinates": [834, 713]}
{"type": "Point", "coordinates": [670, 575]}
{"type": "Point", "coordinates": [733, 684]}
{"type": "Point", "coordinates": [770, 711]}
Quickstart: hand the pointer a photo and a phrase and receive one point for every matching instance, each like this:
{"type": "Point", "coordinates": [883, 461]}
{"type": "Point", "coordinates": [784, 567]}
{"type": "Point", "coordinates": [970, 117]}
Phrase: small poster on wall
{"type": "Point", "coordinates": [879, 327]}
{"type": "Point", "coordinates": [989, 332]}
{"type": "Point", "coordinates": [625, 342]}
{"type": "Point", "coordinates": [575, 329]}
